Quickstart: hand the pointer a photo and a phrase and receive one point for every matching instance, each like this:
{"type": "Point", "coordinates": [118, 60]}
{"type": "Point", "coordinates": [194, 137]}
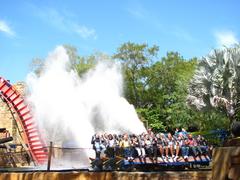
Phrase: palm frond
{"type": "Point", "coordinates": [216, 82]}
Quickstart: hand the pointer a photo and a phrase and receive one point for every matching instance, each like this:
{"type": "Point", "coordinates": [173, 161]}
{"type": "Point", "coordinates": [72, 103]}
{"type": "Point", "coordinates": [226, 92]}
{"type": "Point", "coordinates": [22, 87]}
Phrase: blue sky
{"type": "Point", "coordinates": [31, 29]}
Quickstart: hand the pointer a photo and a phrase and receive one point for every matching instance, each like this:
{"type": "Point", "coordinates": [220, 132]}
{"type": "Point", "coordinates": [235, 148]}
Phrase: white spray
{"type": "Point", "coordinates": [69, 108]}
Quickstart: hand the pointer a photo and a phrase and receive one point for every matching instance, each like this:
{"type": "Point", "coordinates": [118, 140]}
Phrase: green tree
{"type": "Point", "coordinates": [151, 118]}
{"type": "Point", "coordinates": [136, 60]}
{"type": "Point", "coordinates": [37, 64]}
{"type": "Point", "coordinates": [72, 55]}
{"type": "Point", "coordinates": [80, 64]}
{"type": "Point", "coordinates": [168, 89]}
{"type": "Point", "coordinates": [87, 62]}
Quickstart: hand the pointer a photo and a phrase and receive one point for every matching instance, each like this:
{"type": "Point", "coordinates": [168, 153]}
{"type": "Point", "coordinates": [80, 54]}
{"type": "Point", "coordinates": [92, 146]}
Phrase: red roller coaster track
{"type": "Point", "coordinates": [33, 139]}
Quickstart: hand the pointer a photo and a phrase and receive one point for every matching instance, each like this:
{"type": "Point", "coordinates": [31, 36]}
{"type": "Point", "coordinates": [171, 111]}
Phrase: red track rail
{"type": "Point", "coordinates": [33, 138]}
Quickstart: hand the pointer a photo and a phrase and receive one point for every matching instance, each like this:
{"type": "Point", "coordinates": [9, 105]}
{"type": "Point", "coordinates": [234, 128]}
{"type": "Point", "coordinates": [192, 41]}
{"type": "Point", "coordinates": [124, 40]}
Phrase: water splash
{"type": "Point", "coordinates": [68, 108]}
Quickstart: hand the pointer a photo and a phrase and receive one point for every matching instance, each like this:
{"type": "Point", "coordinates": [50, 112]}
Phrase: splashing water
{"type": "Point", "coordinates": [69, 108]}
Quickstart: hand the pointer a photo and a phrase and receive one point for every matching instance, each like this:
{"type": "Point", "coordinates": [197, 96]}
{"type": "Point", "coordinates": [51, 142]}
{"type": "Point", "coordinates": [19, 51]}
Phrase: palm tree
{"type": "Point", "coordinates": [216, 82]}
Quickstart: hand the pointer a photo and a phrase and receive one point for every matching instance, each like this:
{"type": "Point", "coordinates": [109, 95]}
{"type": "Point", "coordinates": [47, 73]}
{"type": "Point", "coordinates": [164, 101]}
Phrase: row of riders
{"type": "Point", "coordinates": [169, 147]}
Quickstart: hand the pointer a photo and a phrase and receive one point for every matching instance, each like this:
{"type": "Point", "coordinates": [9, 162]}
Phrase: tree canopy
{"type": "Point", "coordinates": [159, 87]}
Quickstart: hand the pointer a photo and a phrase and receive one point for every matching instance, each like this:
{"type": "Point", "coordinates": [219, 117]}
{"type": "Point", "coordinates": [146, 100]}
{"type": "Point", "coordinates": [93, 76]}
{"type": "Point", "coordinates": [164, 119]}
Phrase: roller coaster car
{"type": "Point", "coordinates": [105, 163]}
{"type": "Point", "coordinates": [148, 164]}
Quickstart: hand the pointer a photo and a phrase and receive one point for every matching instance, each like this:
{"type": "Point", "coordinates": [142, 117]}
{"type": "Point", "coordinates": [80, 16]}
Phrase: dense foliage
{"type": "Point", "coordinates": [159, 87]}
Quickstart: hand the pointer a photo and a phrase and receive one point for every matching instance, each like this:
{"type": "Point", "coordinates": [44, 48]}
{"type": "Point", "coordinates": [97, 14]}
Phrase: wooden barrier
{"type": "Point", "coordinates": [226, 163]}
{"type": "Point", "coordinates": [73, 175]}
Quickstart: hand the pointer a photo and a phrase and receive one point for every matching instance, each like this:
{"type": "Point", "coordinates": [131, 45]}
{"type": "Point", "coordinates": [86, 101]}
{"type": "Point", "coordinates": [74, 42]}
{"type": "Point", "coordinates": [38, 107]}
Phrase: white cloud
{"type": "Point", "coordinates": [64, 21]}
{"type": "Point", "coordinates": [225, 38]}
{"type": "Point", "coordinates": [86, 32]}
{"type": "Point", "coordinates": [5, 28]}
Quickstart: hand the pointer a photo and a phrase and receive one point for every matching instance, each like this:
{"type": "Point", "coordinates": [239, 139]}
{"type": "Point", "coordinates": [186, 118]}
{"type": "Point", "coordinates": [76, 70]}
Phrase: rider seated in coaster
{"type": "Point", "coordinates": [111, 144]}
{"type": "Point", "coordinates": [137, 143]}
{"type": "Point", "coordinates": [148, 146]}
{"type": "Point", "coordinates": [176, 146]}
{"type": "Point", "coordinates": [155, 149]}
{"type": "Point", "coordinates": [195, 149]}
{"type": "Point", "coordinates": [171, 143]}
{"type": "Point", "coordinates": [97, 145]}
{"type": "Point", "coordinates": [161, 144]}
{"type": "Point", "coordinates": [126, 145]}
{"type": "Point", "coordinates": [202, 143]}
{"type": "Point", "coordinates": [183, 144]}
